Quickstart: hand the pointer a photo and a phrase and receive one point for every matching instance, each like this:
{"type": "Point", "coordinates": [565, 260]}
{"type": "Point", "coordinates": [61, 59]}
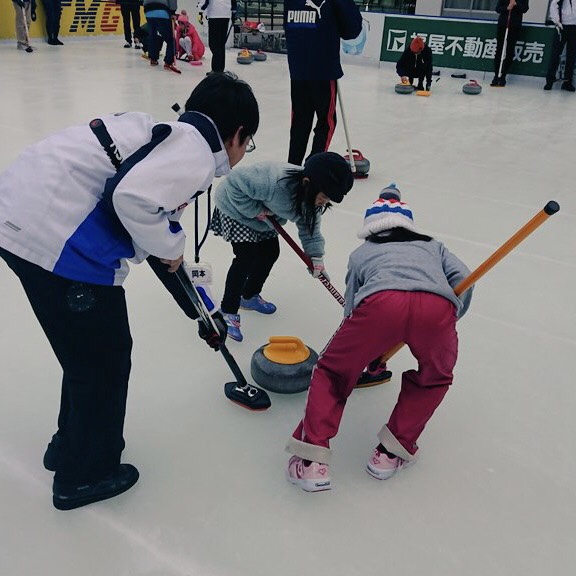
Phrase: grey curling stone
{"type": "Point", "coordinates": [361, 164]}
{"type": "Point", "coordinates": [260, 56]}
{"type": "Point", "coordinates": [245, 57]}
{"type": "Point", "coordinates": [403, 88]}
{"type": "Point", "coordinates": [472, 88]}
{"type": "Point", "coordinates": [283, 366]}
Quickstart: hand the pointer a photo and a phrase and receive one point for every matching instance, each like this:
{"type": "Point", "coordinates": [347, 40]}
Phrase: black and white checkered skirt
{"type": "Point", "coordinates": [233, 231]}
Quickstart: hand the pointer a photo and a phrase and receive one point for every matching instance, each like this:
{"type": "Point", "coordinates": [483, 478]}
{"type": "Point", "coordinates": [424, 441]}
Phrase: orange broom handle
{"type": "Point", "coordinates": [549, 210]}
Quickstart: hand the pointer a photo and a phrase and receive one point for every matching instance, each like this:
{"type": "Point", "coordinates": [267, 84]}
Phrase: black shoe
{"type": "Point", "coordinates": [368, 379]}
{"type": "Point", "coordinates": [70, 497]}
{"type": "Point", "coordinates": [495, 81]}
{"type": "Point", "coordinates": [58, 42]}
{"type": "Point", "coordinates": [128, 45]}
{"type": "Point", "coordinates": [567, 85]}
{"type": "Point", "coordinates": [502, 81]}
{"type": "Point", "coordinates": [52, 42]}
{"type": "Point", "coordinates": [420, 87]}
{"type": "Point", "coordinates": [549, 84]}
{"type": "Point", "coordinates": [52, 454]}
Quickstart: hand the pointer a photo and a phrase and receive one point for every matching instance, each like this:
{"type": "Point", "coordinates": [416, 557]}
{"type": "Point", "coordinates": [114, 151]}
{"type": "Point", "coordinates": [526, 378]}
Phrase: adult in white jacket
{"type": "Point", "coordinates": [219, 13]}
{"type": "Point", "coordinates": [563, 15]}
{"type": "Point", "coordinates": [68, 224]}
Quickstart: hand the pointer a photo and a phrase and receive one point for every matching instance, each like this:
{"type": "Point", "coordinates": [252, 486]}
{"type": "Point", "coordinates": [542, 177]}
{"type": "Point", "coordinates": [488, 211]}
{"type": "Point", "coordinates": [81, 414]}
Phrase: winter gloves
{"type": "Point", "coordinates": [318, 268]}
{"type": "Point", "coordinates": [208, 334]}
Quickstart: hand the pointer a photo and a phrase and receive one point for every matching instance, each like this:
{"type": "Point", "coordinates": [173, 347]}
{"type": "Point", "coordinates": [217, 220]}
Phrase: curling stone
{"type": "Point", "coordinates": [403, 88]}
{"type": "Point", "coordinates": [260, 56]}
{"type": "Point", "coordinates": [472, 87]}
{"type": "Point", "coordinates": [362, 164]}
{"type": "Point", "coordinates": [284, 365]}
{"type": "Point", "coordinates": [245, 57]}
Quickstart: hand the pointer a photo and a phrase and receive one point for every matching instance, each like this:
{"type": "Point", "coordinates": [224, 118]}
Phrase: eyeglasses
{"type": "Point", "coordinates": [250, 147]}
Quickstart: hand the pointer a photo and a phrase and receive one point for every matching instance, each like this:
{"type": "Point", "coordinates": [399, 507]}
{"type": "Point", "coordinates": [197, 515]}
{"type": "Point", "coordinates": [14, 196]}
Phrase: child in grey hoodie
{"type": "Point", "coordinates": [288, 192]}
{"type": "Point", "coordinates": [399, 288]}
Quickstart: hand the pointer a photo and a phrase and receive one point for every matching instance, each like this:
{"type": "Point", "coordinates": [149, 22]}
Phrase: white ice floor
{"type": "Point", "coordinates": [494, 491]}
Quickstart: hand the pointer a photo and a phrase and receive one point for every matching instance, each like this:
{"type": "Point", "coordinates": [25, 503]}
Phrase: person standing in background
{"type": "Point", "coordinates": [159, 14]}
{"type": "Point", "coordinates": [23, 10]}
{"type": "Point", "coordinates": [313, 32]}
{"type": "Point", "coordinates": [510, 17]}
{"type": "Point", "coordinates": [53, 11]}
{"type": "Point", "coordinates": [563, 15]}
{"type": "Point", "coordinates": [219, 13]}
{"type": "Point", "coordinates": [130, 9]}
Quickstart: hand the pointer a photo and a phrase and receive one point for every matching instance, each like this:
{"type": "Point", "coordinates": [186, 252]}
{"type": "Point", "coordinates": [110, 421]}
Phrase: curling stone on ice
{"type": "Point", "coordinates": [472, 87]}
{"type": "Point", "coordinates": [245, 57]}
{"type": "Point", "coordinates": [404, 88]}
{"type": "Point", "coordinates": [361, 164]}
{"type": "Point", "coordinates": [260, 56]}
{"type": "Point", "coordinates": [284, 365]}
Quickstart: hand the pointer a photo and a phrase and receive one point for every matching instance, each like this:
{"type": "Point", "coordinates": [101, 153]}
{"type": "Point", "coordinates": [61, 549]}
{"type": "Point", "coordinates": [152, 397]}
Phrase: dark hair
{"type": "Point", "coordinates": [304, 198]}
{"type": "Point", "coordinates": [398, 234]}
{"type": "Point", "coordinates": [228, 102]}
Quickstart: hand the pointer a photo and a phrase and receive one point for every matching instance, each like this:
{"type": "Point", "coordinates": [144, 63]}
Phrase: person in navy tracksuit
{"type": "Point", "coordinates": [53, 11]}
{"type": "Point", "coordinates": [68, 225]}
{"type": "Point", "coordinates": [313, 32]}
{"type": "Point", "coordinates": [511, 13]}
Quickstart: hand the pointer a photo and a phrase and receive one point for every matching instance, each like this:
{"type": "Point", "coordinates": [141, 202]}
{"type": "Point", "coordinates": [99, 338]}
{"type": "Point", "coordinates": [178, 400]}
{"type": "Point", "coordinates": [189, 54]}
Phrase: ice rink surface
{"type": "Point", "coordinates": [494, 491]}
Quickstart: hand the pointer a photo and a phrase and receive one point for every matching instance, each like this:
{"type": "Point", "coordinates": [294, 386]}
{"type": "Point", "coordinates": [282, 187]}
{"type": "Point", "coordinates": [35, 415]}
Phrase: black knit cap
{"type": "Point", "coordinates": [330, 174]}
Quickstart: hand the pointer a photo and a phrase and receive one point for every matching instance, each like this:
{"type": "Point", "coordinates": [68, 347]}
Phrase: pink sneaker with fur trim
{"type": "Point", "coordinates": [382, 467]}
{"type": "Point", "coordinates": [313, 478]}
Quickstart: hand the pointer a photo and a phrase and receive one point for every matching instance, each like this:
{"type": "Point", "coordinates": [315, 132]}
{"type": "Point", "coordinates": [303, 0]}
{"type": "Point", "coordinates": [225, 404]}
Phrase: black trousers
{"type": "Point", "coordinates": [513, 34]}
{"type": "Point", "coordinates": [311, 98]}
{"type": "Point", "coordinates": [568, 39]}
{"type": "Point", "coordinates": [414, 73]}
{"type": "Point", "coordinates": [160, 30]}
{"type": "Point", "coordinates": [53, 10]}
{"type": "Point", "coordinates": [217, 32]}
{"type": "Point", "coordinates": [250, 268]}
{"type": "Point", "coordinates": [87, 327]}
{"type": "Point", "coordinates": [130, 11]}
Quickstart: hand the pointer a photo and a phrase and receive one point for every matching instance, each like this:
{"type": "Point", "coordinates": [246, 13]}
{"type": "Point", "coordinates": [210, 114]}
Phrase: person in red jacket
{"type": "Point", "coordinates": [189, 45]}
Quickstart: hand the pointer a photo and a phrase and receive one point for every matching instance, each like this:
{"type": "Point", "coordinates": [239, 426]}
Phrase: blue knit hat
{"type": "Point", "coordinates": [391, 191]}
{"type": "Point", "coordinates": [386, 213]}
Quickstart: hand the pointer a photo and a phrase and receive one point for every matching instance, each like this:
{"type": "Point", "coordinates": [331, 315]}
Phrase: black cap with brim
{"type": "Point", "coordinates": [330, 173]}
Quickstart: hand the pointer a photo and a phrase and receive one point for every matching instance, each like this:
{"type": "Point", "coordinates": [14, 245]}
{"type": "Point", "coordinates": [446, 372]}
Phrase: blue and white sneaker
{"type": "Point", "coordinates": [258, 304]}
{"type": "Point", "coordinates": [233, 324]}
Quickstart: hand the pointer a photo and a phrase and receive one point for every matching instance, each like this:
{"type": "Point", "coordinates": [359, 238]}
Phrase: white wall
{"type": "Point", "coordinates": [536, 13]}
{"type": "Point", "coordinates": [428, 7]}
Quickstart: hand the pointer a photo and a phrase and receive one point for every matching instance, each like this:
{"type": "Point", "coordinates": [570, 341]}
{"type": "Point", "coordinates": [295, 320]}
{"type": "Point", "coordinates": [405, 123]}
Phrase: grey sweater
{"type": "Point", "coordinates": [416, 266]}
{"type": "Point", "coordinates": [248, 190]}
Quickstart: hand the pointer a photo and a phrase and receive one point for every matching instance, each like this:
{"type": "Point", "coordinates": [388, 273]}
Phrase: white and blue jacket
{"type": "Point", "coordinates": [65, 208]}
